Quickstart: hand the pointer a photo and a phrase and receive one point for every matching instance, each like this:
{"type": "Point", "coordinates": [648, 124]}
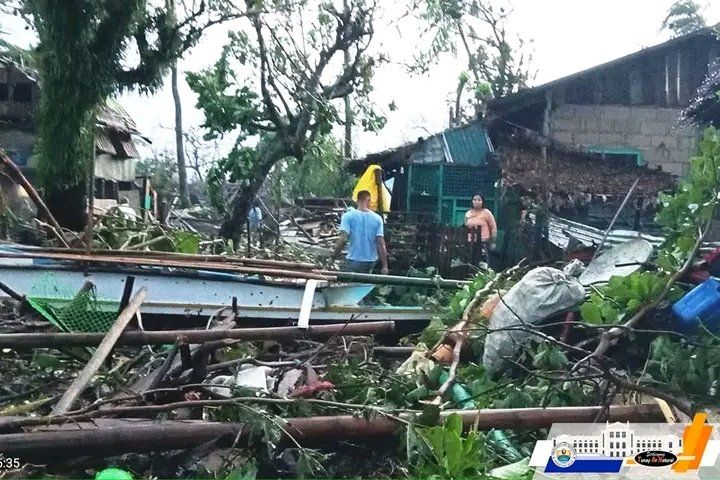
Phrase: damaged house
{"type": "Point", "coordinates": [577, 144]}
{"type": "Point", "coordinates": [438, 175]}
{"type": "Point", "coordinates": [626, 109]}
{"type": "Point", "coordinates": [115, 144]}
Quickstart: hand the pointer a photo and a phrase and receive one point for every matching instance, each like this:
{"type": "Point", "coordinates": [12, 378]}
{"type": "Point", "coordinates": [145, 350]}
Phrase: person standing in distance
{"type": "Point", "coordinates": [362, 230]}
{"type": "Point", "coordinates": [482, 229]}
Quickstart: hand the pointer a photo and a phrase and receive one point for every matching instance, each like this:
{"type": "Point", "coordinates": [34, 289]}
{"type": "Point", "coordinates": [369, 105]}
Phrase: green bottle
{"type": "Point", "coordinates": [113, 474]}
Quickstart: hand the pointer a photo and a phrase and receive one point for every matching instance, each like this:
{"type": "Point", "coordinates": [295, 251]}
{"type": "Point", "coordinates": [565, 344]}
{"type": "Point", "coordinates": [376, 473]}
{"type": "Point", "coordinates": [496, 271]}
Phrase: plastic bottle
{"type": "Point", "coordinates": [113, 474]}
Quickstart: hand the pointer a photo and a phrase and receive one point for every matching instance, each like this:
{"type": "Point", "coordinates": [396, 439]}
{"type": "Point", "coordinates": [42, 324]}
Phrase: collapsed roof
{"type": "Point", "coordinates": [573, 173]}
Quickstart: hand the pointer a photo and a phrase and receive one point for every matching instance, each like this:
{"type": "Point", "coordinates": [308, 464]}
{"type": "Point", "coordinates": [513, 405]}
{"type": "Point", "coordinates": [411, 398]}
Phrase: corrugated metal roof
{"type": "Point", "coordinates": [124, 145]}
{"type": "Point", "coordinates": [112, 115]}
{"type": "Point", "coordinates": [104, 144]}
{"type": "Point", "coordinates": [560, 230]}
{"type": "Point", "coordinates": [429, 151]}
{"type": "Point", "coordinates": [468, 145]}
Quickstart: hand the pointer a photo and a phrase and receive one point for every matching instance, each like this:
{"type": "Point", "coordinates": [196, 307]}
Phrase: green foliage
{"type": "Point", "coordinates": [693, 370]}
{"type": "Point", "coordinates": [683, 217]}
{"type": "Point", "coordinates": [549, 357]}
{"type": "Point", "coordinates": [115, 231]}
{"type": "Point", "coordinates": [246, 471]}
{"type": "Point", "coordinates": [683, 17]}
{"type": "Point", "coordinates": [320, 174]}
{"type": "Point", "coordinates": [462, 298]}
{"type": "Point", "coordinates": [441, 452]}
{"type": "Point", "coordinates": [368, 385]}
{"type": "Point", "coordinates": [162, 170]}
{"type": "Point", "coordinates": [279, 99]}
{"type": "Point", "coordinates": [622, 297]}
{"type": "Point", "coordinates": [478, 29]}
{"type": "Point", "coordinates": [452, 313]}
{"type": "Point", "coordinates": [693, 205]}
{"type": "Point", "coordinates": [82, 58]}
{"type": "Point", "coordinates": [265, 431]}
{"type": "Point", "coordinates": [19, 55]}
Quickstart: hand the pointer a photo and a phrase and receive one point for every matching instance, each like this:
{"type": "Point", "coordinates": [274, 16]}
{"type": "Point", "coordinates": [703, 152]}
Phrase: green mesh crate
{"type": "Point", "coordinates": [465, 181]}
{"type": "Point", "coordinates": [425, 179]}
{"type": "Point", "coordinates": [69, 310]}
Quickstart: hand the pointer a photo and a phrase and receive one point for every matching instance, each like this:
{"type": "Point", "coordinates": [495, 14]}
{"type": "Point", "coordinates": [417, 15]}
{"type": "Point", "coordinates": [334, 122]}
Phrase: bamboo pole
{"type": "Point", "coordinates": [106, 345]}
{"type": "Point", "coordinates": [181, 256]}
{"type": "Point", "coordinates": [139, 338]}
{"type": "Point", "coordinates": [97, 259]}
{"type": "Point", "coordinates": [115, 436]}
{"type": "Point", "coordinates": [229, 264]}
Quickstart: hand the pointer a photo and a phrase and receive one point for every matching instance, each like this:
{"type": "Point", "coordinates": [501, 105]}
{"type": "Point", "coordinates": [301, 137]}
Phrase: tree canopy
{"type": "Point", "coordinates": [497, 62]}
{"type": "Point", "coordinates": [90, 49]}
{"type": "Point", "coordinates": [276, 88]}
{"type": "Point", "coordinates": [683, 17]}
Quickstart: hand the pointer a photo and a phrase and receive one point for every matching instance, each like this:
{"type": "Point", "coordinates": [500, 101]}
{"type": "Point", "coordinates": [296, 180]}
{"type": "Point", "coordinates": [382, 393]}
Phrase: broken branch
{"type": "Point", "coordinates": [14, 172]}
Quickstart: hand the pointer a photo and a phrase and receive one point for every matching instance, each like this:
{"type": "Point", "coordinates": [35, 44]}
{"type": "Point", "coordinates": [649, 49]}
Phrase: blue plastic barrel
{"type": "Point", "coordinates": [703, 303]}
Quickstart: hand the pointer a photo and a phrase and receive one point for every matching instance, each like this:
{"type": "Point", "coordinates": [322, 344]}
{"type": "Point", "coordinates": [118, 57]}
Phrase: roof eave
{"type": "Point", "coordinates": [501, 103]}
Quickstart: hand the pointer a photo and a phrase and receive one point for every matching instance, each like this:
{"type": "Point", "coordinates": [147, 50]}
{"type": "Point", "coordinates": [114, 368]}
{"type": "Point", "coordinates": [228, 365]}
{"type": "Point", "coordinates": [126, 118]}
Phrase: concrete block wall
{"type": "Point", "coordinates": [651, 130]}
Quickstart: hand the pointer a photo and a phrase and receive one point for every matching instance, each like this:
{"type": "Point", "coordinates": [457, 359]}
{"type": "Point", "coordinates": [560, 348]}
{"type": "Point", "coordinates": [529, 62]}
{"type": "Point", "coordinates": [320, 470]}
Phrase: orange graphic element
{"type": "Point", "coordinates": [695, 439]}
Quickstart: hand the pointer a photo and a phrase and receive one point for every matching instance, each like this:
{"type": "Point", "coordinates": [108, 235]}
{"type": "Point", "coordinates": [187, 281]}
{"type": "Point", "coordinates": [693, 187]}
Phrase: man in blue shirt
{"type": "Point", "coordinates": [362, 231]}
{"type": "Point", "coordinates": [254, 222]}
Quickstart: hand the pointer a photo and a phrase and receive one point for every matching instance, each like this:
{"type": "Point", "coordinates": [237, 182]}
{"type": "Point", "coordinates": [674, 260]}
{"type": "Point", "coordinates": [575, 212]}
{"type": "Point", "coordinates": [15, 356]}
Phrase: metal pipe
{"type": "Point", "coordinates": [612, 222]}
{"type": "Point", "coordinates": [395, 280]}
{"type": "Point", "coordinates": [137, 338]}
{"type": "Point", "coordinates": [116, 436]}
{"type": "Point", "coordinates": [177, 256]}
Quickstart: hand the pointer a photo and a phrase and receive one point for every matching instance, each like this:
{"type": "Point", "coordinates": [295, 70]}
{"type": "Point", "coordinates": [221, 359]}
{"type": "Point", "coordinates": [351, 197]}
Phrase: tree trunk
{"type": "Point", "coordinates": [179, 140]}
{"type": "Point", "coordinates": [348, 106]}
{"type": "Point", "coordinates": [241, 203]}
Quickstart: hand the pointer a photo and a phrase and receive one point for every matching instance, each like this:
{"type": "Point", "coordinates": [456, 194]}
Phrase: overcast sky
{"type": "Point", "coordinates": [568, 36]}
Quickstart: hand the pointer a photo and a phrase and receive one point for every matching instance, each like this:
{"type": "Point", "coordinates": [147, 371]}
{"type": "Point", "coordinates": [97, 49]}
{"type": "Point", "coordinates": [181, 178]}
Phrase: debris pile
{"type": "Point", "coordinates": [220, 365]}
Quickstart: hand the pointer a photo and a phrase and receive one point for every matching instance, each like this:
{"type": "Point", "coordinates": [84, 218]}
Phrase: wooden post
{"type": "Point", "coordinates": [546, 134]}
{"type": "Point", "coordinates": [90, 201]}
{"type": "Point", "coordinates": [103, 350]}
{"type": "Point", "coordinates": [379, 186]}
{"type": "Point", "coordinates": [119, 435]}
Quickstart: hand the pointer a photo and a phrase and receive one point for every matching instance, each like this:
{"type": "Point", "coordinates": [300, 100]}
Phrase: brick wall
{"type": "Point", "coordinates": [652, 130]}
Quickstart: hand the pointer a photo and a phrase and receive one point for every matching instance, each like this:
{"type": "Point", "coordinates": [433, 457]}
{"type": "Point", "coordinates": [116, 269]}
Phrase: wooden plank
{"type": "Point", "coordinates": [102, 352]}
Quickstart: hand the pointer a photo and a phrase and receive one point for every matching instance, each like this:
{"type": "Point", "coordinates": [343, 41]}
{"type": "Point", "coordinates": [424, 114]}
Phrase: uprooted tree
{"type": "Point", "coordinates": [90, 49]}
{"type": "Point", "coordinates": [277, 84]}
{"type": "Point", "coordinates": [497, 63]}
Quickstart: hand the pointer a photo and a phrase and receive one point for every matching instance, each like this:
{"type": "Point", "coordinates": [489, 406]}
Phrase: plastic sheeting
{"type": "Point", "coordinates": [543, 292]}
